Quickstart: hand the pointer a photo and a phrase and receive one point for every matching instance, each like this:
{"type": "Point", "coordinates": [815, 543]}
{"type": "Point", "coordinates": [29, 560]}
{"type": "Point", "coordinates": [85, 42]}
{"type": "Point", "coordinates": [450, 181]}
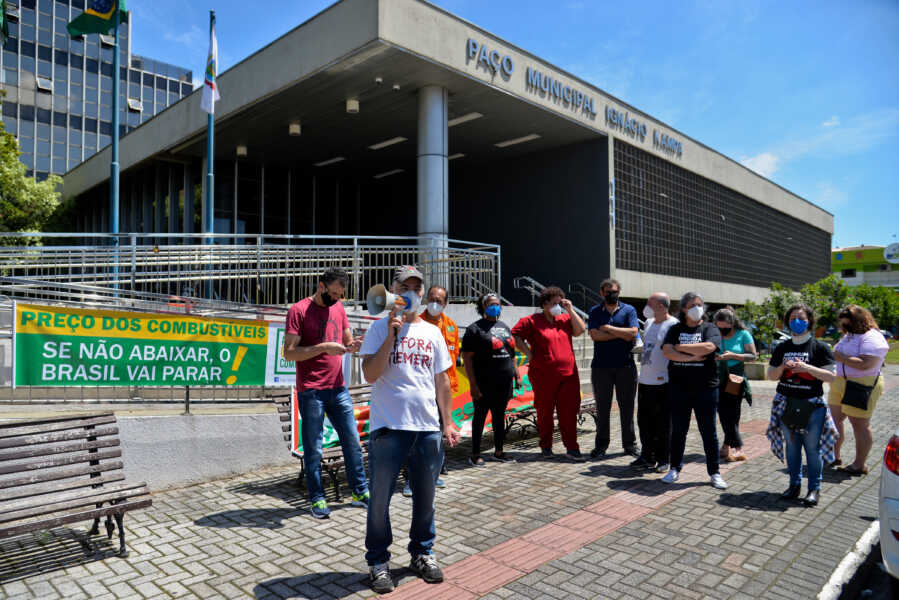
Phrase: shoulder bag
{"type": "Point", "coordinates": [797, 412]}
{"type": "Point", "coordinates": [857, 394]}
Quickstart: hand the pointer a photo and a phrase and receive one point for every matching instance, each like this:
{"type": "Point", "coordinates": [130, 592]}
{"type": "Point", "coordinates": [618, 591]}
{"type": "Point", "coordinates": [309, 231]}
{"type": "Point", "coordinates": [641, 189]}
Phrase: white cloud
{"type": "Point", "coordinates": [860, 134]}
{"type": "Point", "coordinates": [190, 38]}
{"type": "Point", "coordinates": [765, 164]}
{"type": "Point", "coordinates": [830, 196]}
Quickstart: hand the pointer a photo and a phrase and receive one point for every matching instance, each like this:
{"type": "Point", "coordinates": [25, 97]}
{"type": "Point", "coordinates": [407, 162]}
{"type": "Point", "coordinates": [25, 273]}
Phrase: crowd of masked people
{"type": "Point", "coordinates": [692, 363]}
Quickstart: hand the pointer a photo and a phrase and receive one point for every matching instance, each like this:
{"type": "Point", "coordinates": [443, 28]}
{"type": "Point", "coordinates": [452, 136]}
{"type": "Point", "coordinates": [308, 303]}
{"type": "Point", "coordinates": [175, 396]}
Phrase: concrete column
{"type": "Point", "coordinates": [433, 182]}
{"type": "Point", "coordinates": [612, 208]}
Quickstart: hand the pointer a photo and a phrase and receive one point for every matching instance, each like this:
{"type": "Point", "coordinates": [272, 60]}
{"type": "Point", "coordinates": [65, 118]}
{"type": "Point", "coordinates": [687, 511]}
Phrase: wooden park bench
{"type": "Point", "coordinates": [524, 419]}
{"type": "Point", "coordinates": [332, 458]}
{"type": "Point", "coordinates": [61, 470]}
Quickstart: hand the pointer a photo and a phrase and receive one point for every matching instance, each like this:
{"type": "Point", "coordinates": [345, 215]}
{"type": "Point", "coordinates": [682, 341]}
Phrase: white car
{"type": "Point", "coordinates": [889, 508]}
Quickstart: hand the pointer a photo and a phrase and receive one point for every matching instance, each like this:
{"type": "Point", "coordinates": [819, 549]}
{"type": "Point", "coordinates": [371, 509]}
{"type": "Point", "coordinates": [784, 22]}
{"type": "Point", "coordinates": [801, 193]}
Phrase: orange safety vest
{"type": "Point", "coordinates": [450, 332]}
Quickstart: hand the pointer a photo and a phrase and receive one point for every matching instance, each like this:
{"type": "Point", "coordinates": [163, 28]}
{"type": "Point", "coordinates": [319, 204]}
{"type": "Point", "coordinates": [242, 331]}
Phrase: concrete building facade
{"type": "Point", "coordinates": [395, 117]}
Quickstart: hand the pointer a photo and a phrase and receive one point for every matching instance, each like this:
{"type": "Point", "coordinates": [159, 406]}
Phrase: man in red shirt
{"type": "Point", "coordinates": [318, 335]}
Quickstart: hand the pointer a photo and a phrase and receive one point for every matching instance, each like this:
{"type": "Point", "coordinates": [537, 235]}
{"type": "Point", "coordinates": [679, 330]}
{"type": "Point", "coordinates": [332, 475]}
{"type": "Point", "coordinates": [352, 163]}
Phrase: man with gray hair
{"type": "Point", "coordinates": [653, 410]}
{"type": "Point", "coordinates": [406, 361]}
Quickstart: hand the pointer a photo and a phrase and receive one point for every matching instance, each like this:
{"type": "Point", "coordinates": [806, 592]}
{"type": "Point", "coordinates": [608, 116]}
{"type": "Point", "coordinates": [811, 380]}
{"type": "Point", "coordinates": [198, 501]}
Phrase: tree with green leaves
{"type": "Point", "coordinates": [883, 303]}
{"type": "Point", "coordinates": [25, 203]}
{"type": "Point", "coordinates": [761, 320]}
{"type": "Point", "coordinates": [827, 297]}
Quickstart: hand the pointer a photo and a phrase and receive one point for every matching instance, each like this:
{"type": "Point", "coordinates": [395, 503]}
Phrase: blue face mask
{"type": "Point", "coordinates": [798, 326]}
{"type": "Point", "coordinates": [493, 311]}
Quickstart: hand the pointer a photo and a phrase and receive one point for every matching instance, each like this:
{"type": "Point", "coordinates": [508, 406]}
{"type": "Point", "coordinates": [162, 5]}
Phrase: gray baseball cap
{"type": "Point", "coordinates": [404, 272]}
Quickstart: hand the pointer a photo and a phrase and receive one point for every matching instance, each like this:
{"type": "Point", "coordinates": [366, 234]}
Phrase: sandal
{"type": "Point", "coordinates": [736, 457]}
{"type": "Point", "coordinates": [853, 471]}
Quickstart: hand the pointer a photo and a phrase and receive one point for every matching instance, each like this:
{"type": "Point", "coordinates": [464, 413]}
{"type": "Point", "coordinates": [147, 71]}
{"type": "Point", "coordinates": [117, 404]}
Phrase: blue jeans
{"type": "Point", "coordinates": [809, 440]}
{"type": "Point", "coordinates": [388, 449]}
{"type": "Point", "coordinates": [703, 401]}
{"type": "Point", "coordinates": [338, 405]}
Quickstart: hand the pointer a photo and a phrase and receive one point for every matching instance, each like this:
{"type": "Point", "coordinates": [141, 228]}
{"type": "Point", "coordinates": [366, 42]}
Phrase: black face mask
{"type": "Point", "coordinates": [725, 331]}
{"type": "Point", "coordinates": [612, 297]}
{"type": "Point", "coordinates": [328, 299]}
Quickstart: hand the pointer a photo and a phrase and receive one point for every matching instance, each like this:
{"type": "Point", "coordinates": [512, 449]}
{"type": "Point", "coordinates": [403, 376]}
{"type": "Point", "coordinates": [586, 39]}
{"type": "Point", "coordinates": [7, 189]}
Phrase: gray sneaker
{"type": "Point", "coordinates": [379, 578]}
{"type": "Point", "coordinates": [426, 566]}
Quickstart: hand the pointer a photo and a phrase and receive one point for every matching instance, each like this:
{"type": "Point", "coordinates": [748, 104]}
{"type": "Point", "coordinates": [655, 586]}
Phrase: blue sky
{"type": "Point", "coordinates": [805, 93]}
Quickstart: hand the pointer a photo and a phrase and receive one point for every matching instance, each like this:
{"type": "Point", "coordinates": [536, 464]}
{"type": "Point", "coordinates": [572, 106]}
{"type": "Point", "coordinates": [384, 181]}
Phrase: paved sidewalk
{"type": "Point", "coordinates": [532, 529]}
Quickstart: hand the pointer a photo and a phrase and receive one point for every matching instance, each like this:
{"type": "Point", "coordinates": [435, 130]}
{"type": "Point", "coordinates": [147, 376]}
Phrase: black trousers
{"type": "Point", "coordinates": [654, 422]}
{"type": "Point", "coordinates": [703, 402]}
{"type": "Point", "coordinates": [729, 415]}
{"type": "Point", "coordinates": [623, 380]}
{"type": "Point", "coordinates": [495, 397]}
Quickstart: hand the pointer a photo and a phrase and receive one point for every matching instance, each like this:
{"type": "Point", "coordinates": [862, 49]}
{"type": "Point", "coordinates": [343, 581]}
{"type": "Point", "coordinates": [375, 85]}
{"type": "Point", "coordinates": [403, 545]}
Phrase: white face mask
{"type": "Point", "coordinates": [801, 339]}
{"type": "Point", "coordinates": [648, 312]}
{"type": "Point", "coordinates": [696, 313]}
{"type": "Point", "coordinates": [413, 300]}
{"type": "Point", "coordinates": [555, 310]}
{"type": "Point", "coordinates": [434, 309]}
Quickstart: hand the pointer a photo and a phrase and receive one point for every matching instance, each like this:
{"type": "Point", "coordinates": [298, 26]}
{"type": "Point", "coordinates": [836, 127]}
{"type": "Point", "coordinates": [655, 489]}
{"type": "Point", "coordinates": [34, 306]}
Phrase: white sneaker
{"type": "Point", "coordinates": [718, 482]}
{"type": "Point", "coordinates": [672, 476]}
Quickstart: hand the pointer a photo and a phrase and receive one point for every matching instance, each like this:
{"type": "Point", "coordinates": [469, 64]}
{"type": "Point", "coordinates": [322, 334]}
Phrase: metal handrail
{"type": "Point", "coordinates": [257, 269]}
{"type": "Point", "coordinates": [589, 296]}
{"type": "Point", "coordinates": [524, 282]}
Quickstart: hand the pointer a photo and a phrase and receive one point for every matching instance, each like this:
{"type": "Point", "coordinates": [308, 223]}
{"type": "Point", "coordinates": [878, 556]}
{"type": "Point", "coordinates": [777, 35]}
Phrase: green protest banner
{"type": "Point", "coordinates": [58, 346]}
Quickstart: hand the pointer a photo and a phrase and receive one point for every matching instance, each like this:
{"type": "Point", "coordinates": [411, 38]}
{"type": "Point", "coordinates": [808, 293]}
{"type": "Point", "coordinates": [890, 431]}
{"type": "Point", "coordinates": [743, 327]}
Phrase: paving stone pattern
{"type": "Point", "coordinates": [532, 529]}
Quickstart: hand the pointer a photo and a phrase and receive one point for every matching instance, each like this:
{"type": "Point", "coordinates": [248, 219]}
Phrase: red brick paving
{"type": "Point", "coordinates": [493, 568]}
{"type": "Point", "coordinates": [522, 555]}
{"type": "Point", "coordinates": [480, 575]}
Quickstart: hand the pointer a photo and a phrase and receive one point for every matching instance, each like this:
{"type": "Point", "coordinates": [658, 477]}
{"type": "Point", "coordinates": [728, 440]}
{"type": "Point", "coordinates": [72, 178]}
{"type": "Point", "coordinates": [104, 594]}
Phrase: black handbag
{"type": "Point", "coordinates": [797, 412]}
{"type": "Point", "coordinates": [857, 394]}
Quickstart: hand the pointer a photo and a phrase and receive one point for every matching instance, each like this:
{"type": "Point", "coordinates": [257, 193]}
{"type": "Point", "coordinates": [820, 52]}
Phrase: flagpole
{"type": "Point", "coordinates": [208, 226]}
{"type": "Point", "coordinates": [210, 154]}
{"type": "Point", "coordinates": [114, 165]}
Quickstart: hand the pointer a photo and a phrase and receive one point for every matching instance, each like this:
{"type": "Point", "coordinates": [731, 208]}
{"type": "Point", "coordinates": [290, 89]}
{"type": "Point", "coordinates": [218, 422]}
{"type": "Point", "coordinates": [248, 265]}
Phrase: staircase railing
{"type": "Point", "coordinates": [589, 297]}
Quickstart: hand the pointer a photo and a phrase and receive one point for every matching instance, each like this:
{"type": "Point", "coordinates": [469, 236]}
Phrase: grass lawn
{"type": "Point", "coordinates": [893, 354]}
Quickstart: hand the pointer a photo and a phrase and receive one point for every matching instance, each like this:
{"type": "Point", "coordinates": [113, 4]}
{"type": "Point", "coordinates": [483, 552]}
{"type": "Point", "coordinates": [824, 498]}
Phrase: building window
{"type": "Point", "coordinates": [847, 273]}
{"type": "Point", "coordinates": [655, 233]}
{"type": "Point", "coordinates": [883, 267]}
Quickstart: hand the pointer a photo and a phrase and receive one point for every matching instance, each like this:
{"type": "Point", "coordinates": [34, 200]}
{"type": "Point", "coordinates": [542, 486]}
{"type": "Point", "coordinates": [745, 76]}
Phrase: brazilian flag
{"type": "Point", "coordinates": [97, 17]}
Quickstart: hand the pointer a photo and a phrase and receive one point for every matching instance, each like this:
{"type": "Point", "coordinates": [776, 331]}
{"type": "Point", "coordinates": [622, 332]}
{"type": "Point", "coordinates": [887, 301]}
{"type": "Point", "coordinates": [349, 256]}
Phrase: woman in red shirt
{"type": "Point", "coordinates": [545, 339]}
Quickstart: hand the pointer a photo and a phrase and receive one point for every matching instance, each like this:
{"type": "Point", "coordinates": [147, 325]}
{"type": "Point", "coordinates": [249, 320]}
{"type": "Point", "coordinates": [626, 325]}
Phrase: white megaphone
{"type": "Point", "coordinates": [379, 299]}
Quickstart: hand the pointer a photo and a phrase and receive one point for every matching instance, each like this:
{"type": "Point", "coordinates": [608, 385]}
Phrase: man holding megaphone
{"type": "Point", "coordinates": [406, 360]}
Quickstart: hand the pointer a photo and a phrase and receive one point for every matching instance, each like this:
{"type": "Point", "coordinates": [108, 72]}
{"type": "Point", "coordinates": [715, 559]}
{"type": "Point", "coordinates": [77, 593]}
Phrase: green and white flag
{"type": "Point", "coordinates": [4, 23]}
{"type": "Point", "coordinates": [98, 17]}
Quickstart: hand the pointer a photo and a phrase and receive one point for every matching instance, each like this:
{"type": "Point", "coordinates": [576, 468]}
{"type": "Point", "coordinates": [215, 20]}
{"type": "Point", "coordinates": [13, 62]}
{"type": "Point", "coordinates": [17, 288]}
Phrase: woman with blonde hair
{"type": "Point", "coordinates": [858, 384]}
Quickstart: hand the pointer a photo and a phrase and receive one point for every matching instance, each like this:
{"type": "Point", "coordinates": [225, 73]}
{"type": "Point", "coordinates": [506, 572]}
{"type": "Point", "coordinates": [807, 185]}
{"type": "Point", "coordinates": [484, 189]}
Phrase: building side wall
{"type": "Point", "coordinates": [444, 38]}
{"type": "Point", "coordinates": [548, 211]}
{"type": "Point", "coordinates": [635, 284]}
{"type": "Point", "coordinates": [670, 221]}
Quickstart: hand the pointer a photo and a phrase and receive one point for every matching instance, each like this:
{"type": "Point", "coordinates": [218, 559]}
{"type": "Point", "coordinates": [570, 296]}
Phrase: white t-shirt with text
{"type": "Point", "coordinates": [653, 364]}
{"type": "Point", "coordinates": [404, 396]}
